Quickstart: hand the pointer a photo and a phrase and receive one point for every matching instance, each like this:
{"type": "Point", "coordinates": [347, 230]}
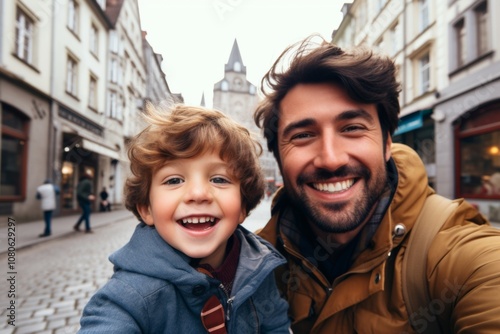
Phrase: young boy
{"type": "Point", "coordinates": [189, 266]}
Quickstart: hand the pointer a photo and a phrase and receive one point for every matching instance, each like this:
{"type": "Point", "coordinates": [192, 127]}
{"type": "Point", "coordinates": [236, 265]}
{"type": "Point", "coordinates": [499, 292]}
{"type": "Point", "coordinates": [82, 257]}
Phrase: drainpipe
{"type": "Point", "coordinates": [403, 102]}
{"type": "Point", "coordinates": [2, 14]}
{"type": "Point", "coordinates": [53, 161]}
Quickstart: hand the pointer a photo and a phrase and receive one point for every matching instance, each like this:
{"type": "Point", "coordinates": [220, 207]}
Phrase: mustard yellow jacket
{"type": "Point", "coordinates": [463, 270]}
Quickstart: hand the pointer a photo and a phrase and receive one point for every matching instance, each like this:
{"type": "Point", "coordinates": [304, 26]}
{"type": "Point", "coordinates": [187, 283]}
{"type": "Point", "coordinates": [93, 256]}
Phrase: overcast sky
{"type": "Point", "coordinates": [195, 37]}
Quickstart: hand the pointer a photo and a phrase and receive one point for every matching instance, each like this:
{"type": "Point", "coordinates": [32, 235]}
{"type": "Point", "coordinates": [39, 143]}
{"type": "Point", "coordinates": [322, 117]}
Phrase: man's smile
{"type": "Point", "coordinates": [333, 187]}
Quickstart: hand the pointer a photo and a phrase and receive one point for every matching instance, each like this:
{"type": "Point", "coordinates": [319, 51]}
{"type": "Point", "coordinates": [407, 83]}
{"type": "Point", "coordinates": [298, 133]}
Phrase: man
{"type": "Point", "coordinates": [350, 200]}
{"type": "Point", "coordinates": [47, 193]}
{"type": "Point", "coordinates": [85, 196]}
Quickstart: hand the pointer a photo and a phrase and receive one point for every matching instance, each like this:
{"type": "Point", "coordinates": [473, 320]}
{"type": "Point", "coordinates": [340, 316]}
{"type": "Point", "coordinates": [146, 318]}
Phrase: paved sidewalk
{"type": "Point", "coordinates": [27, 232]}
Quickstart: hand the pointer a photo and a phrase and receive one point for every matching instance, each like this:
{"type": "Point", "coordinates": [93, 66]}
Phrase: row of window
{"type": "Point", "coordinates": [24, 46]}
{"type": "Point", "coordinates": [470, 41]}
{"type": "Point", "coordinates": [469, 29]}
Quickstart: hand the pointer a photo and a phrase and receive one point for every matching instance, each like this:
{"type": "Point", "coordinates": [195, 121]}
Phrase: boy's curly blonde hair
{"type": "Point", "coordinates": [186, 132]}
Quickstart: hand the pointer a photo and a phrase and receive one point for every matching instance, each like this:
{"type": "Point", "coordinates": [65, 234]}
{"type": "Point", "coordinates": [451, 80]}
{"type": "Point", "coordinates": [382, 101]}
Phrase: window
{"type": "Point", "coordinates": [424, 73]}
{"type": "Point", "coordinates": [237, 66]}
{"type": "Point", "coordinates": [481, 13]}
{"type": "Point", "coordinates": [478, 165]}
{"type": "Point", "coordinates": [460, 35]}
{"type": "Point", "coordinates": [113, 41]}
{"type": "Point", "coordinates": [423, 8]}
{"type": "Point", "coordinates": [379, 44]}
{"type": "Point", "coordinates": [113, 71]}
{"type": "Point", "coordinates": [71, 76]}
{"type": "Point", "coordinates": [15, 128]}
{"type": "Point", "coordinates": [115, 106]}
{"type": "Point", "coordinates": [395, 38]}
{"type": "Point", "coordinates": [93, 93]}
{"type": "Point", "coordinates": [24, 36]}
{"type": "Point", "coordinates": [94, 40]}
{"type": "Point", "coordinates": [379, 4]}
{"type": "Point", "coordinates": [73, 14]}
{"type": "Point", "coordinates": [102, 4]}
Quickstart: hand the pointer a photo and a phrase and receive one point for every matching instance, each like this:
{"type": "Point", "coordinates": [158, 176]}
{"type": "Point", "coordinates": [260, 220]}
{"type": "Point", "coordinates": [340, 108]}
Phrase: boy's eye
{"type": "Point", "coordinates": [219, 179]}
{"type": "Point", "coordinates": [174, 180]}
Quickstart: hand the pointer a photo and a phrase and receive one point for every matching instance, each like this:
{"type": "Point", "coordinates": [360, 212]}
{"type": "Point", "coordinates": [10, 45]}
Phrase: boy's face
{"type": "Point", "coordinates": [195, 205]}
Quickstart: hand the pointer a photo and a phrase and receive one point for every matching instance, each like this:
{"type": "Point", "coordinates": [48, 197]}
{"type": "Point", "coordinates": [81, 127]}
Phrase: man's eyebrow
{"type": "Point", "coordinates": [299, 124]}
{"type": "Point", "coordinates": [346, 115]}
{"type": "Point", "coordinates": [355, 113]}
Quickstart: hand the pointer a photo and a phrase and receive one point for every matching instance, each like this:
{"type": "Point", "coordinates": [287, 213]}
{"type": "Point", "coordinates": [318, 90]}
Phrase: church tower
{"type": "Point", "coordinates": [234, 94]}
{"type": "Point", "coordinates": [237, 97]}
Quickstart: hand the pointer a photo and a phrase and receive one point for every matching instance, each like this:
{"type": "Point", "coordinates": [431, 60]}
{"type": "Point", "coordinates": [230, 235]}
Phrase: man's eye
{"type": "Point", "coordinates": [174, 180]}
{"type": "Point", "coordinates": [301, 136]}
{"type": "Point", "coordinates": [220, 180]}
{"type": "Point", "coordinates": [352, 128]}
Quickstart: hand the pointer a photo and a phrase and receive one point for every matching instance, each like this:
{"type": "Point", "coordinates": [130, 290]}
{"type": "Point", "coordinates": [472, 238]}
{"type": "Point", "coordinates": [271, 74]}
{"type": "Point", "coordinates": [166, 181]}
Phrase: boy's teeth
{"type": "Point", "coordinates": [198, 220]}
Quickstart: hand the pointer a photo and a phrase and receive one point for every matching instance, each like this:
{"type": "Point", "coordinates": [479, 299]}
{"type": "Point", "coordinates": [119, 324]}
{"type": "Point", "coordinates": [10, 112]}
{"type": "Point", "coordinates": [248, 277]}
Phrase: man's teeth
{"type": "Point", "coordinates": [198, 220]}
{"type": "Point", "coordinates": [334, 187]}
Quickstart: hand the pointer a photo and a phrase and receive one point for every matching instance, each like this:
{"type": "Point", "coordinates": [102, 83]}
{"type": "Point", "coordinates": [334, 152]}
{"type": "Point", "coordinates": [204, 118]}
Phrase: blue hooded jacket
{"type": "Point", "coordinates": [155, 290]}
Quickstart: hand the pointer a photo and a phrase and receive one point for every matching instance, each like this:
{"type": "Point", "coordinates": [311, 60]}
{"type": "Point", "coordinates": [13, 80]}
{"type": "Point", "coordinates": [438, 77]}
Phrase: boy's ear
{"type": "Point", "coordinates": [145, 212]}
{"type": "Point", "coordinates": [243, 215]}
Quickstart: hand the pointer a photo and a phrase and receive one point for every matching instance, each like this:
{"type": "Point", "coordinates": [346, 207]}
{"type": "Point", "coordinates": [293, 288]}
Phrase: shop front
{"type": "Point", "coordinates": [417, 131]}
{"type": "Point", "coordinates": [477, 154]}
{"type": "Point", "coordinates": [76, 162]}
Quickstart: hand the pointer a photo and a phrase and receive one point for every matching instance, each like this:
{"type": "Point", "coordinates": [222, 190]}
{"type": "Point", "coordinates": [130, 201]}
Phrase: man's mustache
{"type": "Point", "coordinates": [320, 175]}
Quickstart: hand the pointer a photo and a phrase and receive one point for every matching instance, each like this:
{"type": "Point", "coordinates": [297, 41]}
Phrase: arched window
{"type": "Point", "coordinates": [15, 127]}
{"type": "Point", "coordinates": [237, 66]}
{"type": "Point", "coordinates": [224, 86]}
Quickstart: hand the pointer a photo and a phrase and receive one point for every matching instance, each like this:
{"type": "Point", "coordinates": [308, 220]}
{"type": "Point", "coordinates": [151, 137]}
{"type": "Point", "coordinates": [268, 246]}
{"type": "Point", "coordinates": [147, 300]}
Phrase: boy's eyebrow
{"type": "Point", "coordinates": [346, 115]}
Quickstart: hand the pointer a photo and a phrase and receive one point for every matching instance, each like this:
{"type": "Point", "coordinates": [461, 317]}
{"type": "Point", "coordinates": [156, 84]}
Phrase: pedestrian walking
{"type": "Point", "coordinates": [84, 194]}
{"type": "Point", "coordinates": [47, 193]}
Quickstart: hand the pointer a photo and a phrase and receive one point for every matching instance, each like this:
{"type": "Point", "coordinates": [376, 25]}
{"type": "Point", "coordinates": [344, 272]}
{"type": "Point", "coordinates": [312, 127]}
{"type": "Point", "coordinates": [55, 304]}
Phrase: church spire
{"type": "Point", "coordinates": [202, 104]}
{"type": "Point", "coordinates": [235, 63]}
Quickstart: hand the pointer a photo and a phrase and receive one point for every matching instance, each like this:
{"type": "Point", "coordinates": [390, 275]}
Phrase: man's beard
{"type": "Point", "coordinates": [333, 217]}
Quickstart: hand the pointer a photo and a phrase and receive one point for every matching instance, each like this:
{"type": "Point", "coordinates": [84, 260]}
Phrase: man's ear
{"type": "Point", "coordinates": [388, 145]}
{"type": "Point", "coordinates": [145, 212]}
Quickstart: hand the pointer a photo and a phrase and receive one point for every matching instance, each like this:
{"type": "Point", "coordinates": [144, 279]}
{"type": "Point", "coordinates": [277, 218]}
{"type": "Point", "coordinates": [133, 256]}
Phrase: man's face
{"type": "Point", "coordinates": [332, 156]}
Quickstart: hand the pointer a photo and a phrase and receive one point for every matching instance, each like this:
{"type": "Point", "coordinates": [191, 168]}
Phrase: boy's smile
{"type": "Point", "coordinates": [195, 205]}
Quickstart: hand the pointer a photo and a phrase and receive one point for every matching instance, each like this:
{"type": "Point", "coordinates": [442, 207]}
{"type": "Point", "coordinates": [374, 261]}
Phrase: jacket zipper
{"type": "Point", "coordinates": [229, 304]}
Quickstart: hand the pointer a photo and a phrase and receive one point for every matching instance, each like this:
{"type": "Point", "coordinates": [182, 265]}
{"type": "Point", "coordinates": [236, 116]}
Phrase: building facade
{"type": "Point", "coordinates": [448, 64]}
{"type": "Point", "coordinates": [73, 80]}
{"type": "Point", "coordinates": [25, 102]}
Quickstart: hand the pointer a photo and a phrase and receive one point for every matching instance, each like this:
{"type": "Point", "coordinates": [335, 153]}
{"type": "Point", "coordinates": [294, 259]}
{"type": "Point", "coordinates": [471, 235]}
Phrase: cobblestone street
{"type": "Point", "coordinates": [55, 279]}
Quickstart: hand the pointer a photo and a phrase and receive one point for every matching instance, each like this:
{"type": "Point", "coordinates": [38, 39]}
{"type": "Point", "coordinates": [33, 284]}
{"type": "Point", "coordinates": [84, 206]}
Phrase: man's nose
{"type": "Point", "coordinates": [331, 153]}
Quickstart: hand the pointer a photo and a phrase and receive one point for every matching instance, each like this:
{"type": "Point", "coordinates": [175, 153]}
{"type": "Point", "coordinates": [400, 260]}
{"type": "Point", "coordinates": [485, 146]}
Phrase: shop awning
{"type": "Point", "coordinates": [100, 149]}
{"type": "Point", "coordinates": [412, 122]}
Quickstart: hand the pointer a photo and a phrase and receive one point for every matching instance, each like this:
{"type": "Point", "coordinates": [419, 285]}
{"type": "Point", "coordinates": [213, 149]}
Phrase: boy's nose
{"type": "Point", "coordinates": [198, 192]}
